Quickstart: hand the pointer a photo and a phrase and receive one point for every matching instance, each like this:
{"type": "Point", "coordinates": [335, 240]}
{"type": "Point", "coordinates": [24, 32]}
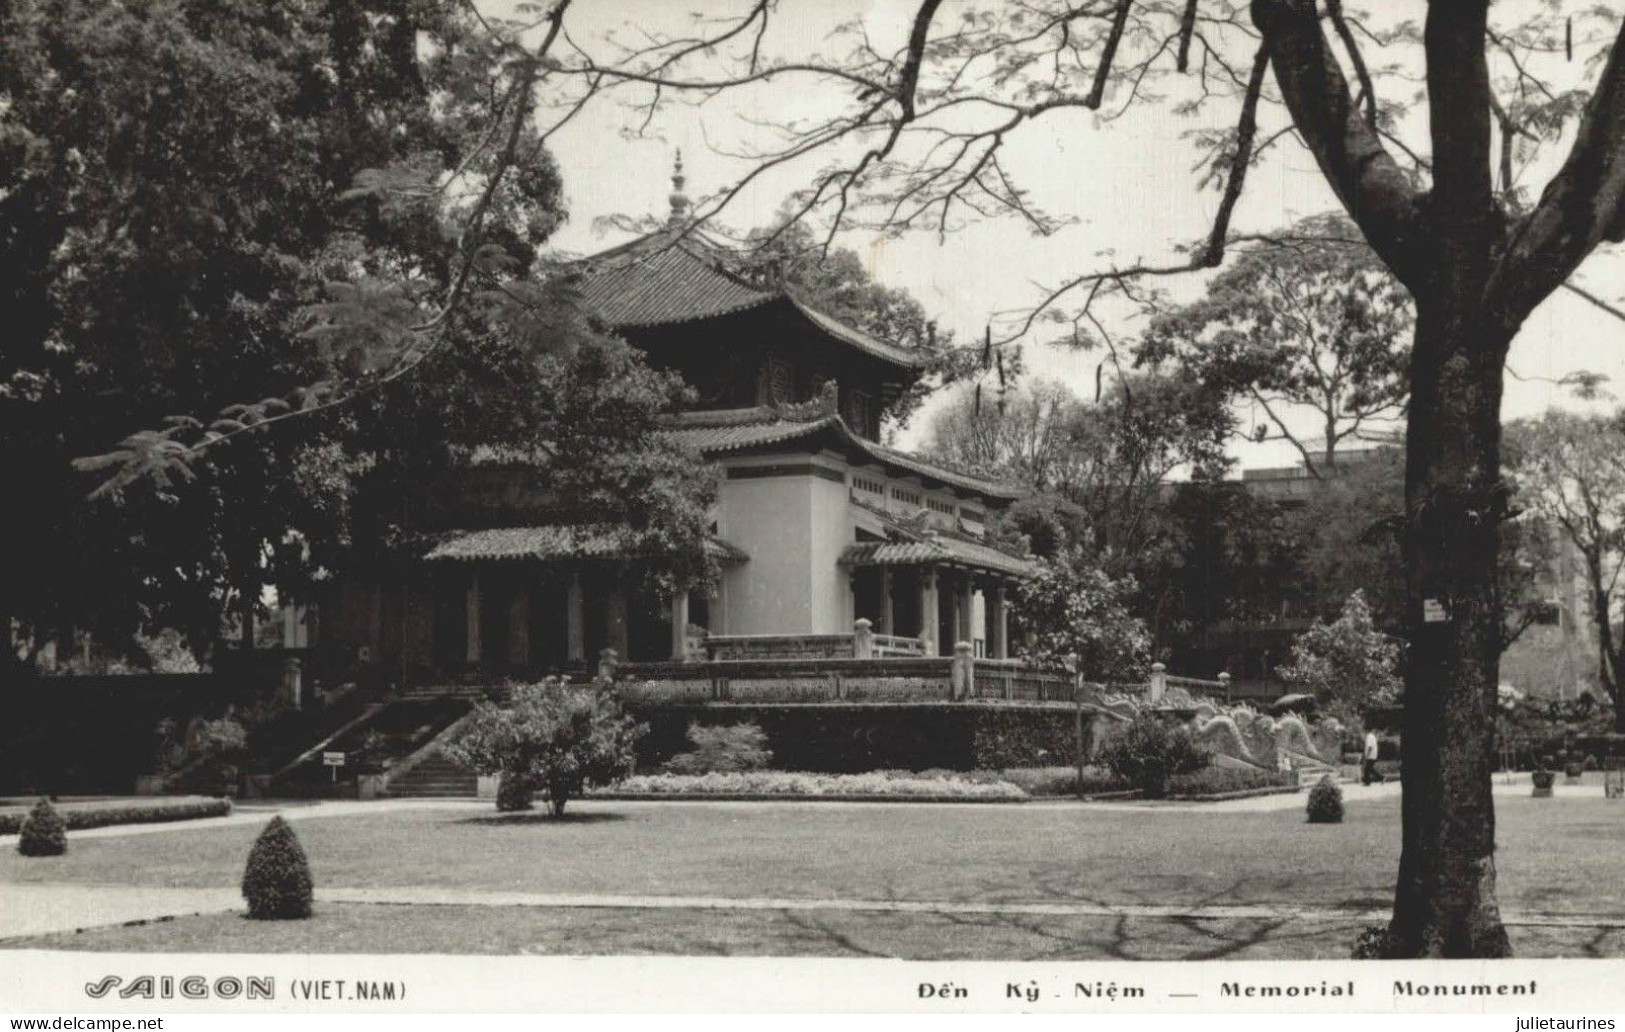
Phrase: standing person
{"type": "Point", "coordinates": [1368, 761]}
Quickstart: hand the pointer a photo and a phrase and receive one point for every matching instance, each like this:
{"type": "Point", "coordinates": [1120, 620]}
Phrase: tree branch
{"type": "Point", "coordinates": [1583, 205]}
{"type": "Point", "coordinates": [1246, 128]}
{"type": "Point", "coordinates": [1372, 187]}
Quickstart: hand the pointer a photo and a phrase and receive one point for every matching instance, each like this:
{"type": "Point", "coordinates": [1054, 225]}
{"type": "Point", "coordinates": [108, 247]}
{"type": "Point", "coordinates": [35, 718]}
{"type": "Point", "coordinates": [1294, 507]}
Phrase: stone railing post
{"type": "Point", "coordinates": [962, 674]}
{"type": "Point", "coordinates": [1224, 679]}
{"type": "Point", "coordinates": [292, 688]}
{"type": "Point", "coordinates": [1159, 683]}
{"type": "Point", "coordinates": [863, 639]}
{"type": "Point", "coordinates": [607, 662]}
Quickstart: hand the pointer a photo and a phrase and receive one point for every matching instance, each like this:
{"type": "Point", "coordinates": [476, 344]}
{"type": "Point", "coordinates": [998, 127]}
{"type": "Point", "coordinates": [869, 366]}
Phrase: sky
{"type": "Point", "coordinates": [1128, 182]}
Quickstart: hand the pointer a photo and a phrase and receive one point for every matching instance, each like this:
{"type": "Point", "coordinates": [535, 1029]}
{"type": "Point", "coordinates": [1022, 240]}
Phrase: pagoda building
{"type": "Point", "coordinates": [817, 524]}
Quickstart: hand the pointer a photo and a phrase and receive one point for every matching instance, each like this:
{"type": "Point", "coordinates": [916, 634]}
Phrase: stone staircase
{"type": "Point", "coordinates": [434, 777]}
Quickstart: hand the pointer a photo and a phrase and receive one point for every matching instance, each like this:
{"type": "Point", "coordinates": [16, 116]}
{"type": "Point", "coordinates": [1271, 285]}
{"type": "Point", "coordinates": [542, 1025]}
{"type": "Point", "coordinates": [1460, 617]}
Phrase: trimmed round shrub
{"type": "Point", "coordinates": [277, 882]}
{"type": "Point", "coordinates": [515, 791]}
{"type": "Point", "coordinates": [43, 832]}
{"type": "Point", "coordinates": [1326, 802]}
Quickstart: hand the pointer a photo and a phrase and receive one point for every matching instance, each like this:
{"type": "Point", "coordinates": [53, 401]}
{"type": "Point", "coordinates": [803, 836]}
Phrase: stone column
{"type": "Point", "coordinates": [575, 618]}
{"type": "Point", "coordinates": [928, 611]}
{"type": "Point", "coordinates": [292, 685]}
{"type": "Point", "coordinates": [615, 619]}
{"type": "Point", "coordinates": [885, 601]}
{"type": "Point", "coordinates": [998, 620]}
{"type": "Point", "coordinates": [519, 626]}
{"type": "Point", "coordinates": [679, 626]}
{"type": "Point", "coordinates": [863, 639]}
{"type": "Point", "coordinates": [965, 607]}
{"type": "Point", "coordinates": [1159, 683]}
{"type": "Point", "coordinates": [962, 675]}
{"type": "Point", "coordinates": [472, 602]}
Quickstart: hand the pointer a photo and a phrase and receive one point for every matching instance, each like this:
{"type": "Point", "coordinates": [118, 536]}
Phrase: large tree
{"type": "Point", "coordinates": [227, 222]}
{"type": "Point", "coordinates": [918, 135]}
{"type": "Point", "coordinates": [1312, 332]}
{"type": "Point", "coordinates": [1570, 471]}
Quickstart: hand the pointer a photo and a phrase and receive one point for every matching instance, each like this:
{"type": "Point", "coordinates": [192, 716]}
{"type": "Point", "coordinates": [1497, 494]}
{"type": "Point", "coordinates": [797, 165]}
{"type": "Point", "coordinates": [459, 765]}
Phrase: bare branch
{"type": "Point", "coordinates": [1213, 253]}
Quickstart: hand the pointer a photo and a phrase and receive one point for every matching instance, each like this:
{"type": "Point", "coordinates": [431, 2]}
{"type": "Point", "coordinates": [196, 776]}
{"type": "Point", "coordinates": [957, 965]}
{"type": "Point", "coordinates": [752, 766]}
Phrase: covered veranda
{"type": "Point", "coordinates": [552, 598]}
{"type": "Point", "coordinates": [941, 590]}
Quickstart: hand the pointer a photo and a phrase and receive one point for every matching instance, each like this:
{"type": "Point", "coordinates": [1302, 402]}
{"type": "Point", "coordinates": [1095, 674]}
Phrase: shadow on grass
{"type": "Point", "coordinates": [543, 817]}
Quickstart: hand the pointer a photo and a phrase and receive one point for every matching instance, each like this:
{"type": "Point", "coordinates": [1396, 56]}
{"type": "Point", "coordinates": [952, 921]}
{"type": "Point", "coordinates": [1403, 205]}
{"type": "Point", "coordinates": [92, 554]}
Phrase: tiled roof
{"type": "Point", "coordinates": [732, 432]}
{"type": "Point", "coordinates": [857, 338]}
{"type": "Point", "coordinates": [713, 440]}
{"type": "Point", "coordinates": [936, 551]}
{"type": "Point", "coordinates": [653, 281]}
{"type": "Point", "coordinates": [652, 285]}
{"type": "Point", "coordinates": [555, 542]}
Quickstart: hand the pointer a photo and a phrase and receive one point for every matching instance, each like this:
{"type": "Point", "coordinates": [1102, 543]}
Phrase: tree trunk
{"type": "Point", "coordinates": [1445, 904]}
{"type": "Point", "coordinates": [557, 796]}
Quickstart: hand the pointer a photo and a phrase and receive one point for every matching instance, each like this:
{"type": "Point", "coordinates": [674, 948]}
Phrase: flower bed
{"type": "Point", "coordinates": [102, 814]}
{"type": "Point", "coordinates": [772, 784]}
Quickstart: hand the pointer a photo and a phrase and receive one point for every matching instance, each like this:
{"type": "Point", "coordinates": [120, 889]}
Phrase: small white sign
{"type": "Point", "coordinates": [1433, 611]}
{"type": "Point", "coordinates": [332, 759]}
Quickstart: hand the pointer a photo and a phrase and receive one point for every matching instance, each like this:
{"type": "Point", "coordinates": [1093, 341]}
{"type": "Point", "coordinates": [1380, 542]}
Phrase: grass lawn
{"type": "Point", "coordinates": [1554, 856]}
{"type": "Point", "coordinates": [1559, 857]}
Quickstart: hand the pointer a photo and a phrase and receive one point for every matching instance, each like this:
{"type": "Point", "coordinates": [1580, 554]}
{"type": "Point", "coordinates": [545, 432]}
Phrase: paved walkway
{"type": "Point", "coordinates": [41, 909]}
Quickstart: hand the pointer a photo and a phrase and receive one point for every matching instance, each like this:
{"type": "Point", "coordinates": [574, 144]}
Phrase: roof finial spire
{"type": "Point", "coordinates": [679, 200]}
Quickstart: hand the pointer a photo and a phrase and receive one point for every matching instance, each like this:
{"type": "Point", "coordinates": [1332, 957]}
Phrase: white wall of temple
{"type": "Point", "coordinates": [794, 515]}
{"type": "Point", "coordinates": [786, 518]}
{"type": "Point", "coordinates": [833, 522]}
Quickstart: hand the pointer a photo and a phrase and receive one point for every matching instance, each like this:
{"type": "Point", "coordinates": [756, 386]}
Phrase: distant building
{"type": "Point", "coordinates": [1554, 656]}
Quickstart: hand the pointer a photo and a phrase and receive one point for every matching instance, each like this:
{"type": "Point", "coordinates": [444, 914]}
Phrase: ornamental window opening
{"type": "Point", "coordinates": [871, 486]}
{"type": "Point", "coordinates": [859, 412]}
{"type": "Point", "coordinates": [906, 497]}
{"type": "Point", "coordinates": [778, 382]}
{"type": "Point", "coordinates": [946, 508]}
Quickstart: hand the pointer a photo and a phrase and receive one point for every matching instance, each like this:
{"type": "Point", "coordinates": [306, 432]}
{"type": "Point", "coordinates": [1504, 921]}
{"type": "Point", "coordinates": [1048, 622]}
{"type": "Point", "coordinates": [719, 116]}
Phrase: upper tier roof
{"type": "Point", "coordinates": [735, 430]}
{"type": "Point", "coordinates": [667, 278]}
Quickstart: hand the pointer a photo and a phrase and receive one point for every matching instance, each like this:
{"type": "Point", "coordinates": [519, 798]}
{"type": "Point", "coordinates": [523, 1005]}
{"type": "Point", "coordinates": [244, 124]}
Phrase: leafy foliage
{"type": "Point", "coordinates": [288, 339]}
{"type": "Point", "coordinates": [1316, 322]}
{"type": "Point", "coordinates": [276, 881]}
{"type": "Point", "coordinates": [1347, 664]}
{"type": "Point", "coordinates": [1071, 608]}
{"type": "Point", "coordinates": [561, 738]}
{"type": "Point", "coordinates": [43, 832]}
{"type": "Point", "coordinates": [516, 791]}
{"type": "Point", "coordinates": [1150, 753]}
{"type": "Point", "coordinates": [1376, 942]}
{"type": "Point", "coordinates": [722, 748]}
{"type": "Point", "coordinates": [1325, 804]}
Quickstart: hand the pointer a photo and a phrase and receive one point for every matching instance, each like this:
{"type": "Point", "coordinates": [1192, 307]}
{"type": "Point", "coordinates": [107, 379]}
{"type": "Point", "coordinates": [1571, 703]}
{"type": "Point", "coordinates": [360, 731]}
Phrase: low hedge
{"type": "Point", "coordinates": [855, 738]}
{"type": "Point", "coordinates": [1224, 780]}
{"type": "Point", "coordinates": [802, 784]}
{"type": "Point", "coordinates": [79, 816]}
